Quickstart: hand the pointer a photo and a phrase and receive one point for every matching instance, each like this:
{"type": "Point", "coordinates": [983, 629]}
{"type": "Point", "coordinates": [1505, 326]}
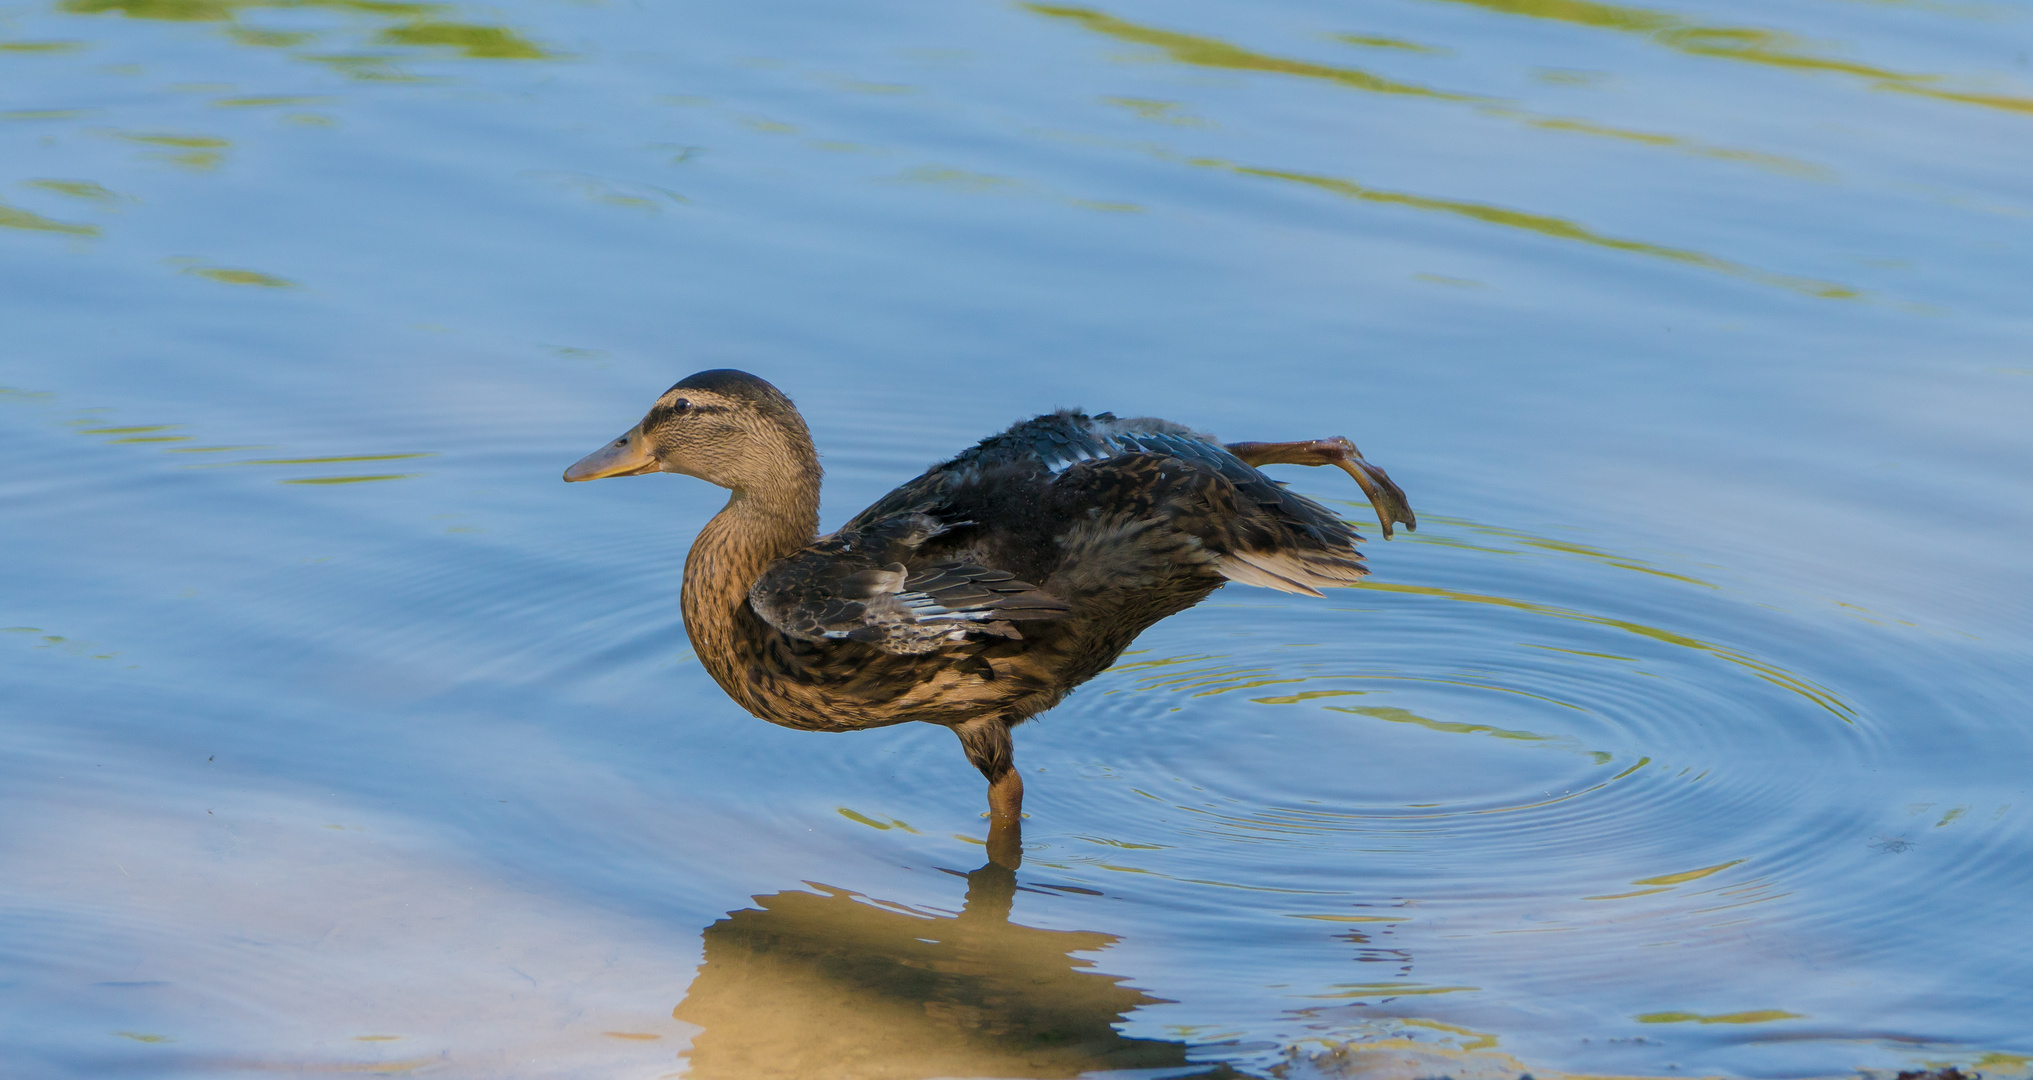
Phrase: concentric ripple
{"type": "Point", "coordinates": [1462, 763]}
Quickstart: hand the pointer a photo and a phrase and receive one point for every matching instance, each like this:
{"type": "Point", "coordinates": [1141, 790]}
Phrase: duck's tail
{"type": "Point", "coordinates": [1301, 570]}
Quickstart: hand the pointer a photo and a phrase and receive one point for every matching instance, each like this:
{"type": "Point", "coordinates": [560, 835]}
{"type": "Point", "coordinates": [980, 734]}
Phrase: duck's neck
{"type": "Point", "coordinates": [758, 526]}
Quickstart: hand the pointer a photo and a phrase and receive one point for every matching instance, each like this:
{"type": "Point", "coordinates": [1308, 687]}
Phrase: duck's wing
{"type": "Point", "coordinates": [1178, 500]}
{"type": "Point", "coordinates": [1091, 505]}
{"type": "Point", "coordinates": [865, 584]}
{"type": "Point", "coordinates": [1131, 489]}
{"type": "Point", "coordinates": [1249, 527]}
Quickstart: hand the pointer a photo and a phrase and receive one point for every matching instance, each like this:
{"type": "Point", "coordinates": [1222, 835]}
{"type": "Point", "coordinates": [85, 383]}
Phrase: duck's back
{"type": "Point", "coordinates": [1089, 506]}
{"type": "Point", "coordinates": [1001, 579]}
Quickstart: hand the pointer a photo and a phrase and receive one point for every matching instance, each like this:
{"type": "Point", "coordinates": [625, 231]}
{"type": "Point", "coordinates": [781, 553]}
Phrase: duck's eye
{"type": "Point", "coordinates": [680, 405]}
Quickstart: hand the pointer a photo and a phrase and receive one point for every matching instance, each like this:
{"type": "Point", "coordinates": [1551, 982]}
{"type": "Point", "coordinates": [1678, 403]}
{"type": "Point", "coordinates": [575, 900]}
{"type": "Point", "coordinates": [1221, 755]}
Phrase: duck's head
{"type": "Point", "coordinates": [725, 427]}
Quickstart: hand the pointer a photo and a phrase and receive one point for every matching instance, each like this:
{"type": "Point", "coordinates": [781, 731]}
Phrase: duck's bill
{"type": "Point", "coordinates": [629, 455]}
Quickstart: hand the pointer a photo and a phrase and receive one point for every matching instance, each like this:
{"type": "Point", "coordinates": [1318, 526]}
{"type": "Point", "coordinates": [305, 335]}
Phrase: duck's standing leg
{"type": "Point", "coordinates": [1384, 495]}
{"type": "Point", "coordinates": [987, 743]}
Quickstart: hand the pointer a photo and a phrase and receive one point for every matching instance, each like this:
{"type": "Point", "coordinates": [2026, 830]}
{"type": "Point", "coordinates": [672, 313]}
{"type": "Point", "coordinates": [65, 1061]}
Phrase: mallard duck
{"type": "Point", "coordinates": [981, 593]}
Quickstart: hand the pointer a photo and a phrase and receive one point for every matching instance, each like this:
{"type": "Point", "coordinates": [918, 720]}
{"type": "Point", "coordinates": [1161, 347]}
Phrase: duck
{"type": "Point", "coordinates": [981, 593]}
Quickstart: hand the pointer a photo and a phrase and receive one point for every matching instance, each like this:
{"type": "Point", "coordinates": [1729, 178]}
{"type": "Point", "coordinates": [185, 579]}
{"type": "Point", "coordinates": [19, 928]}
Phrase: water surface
{"type": "Point", "coordinates": [1687, 736]}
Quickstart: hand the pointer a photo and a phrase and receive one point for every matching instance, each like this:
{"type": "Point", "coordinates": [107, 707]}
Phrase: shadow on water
{"type": "Point", "coordinates": [833, 984]}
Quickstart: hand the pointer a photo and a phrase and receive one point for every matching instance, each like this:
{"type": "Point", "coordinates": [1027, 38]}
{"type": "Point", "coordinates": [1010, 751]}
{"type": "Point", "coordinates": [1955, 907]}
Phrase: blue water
{"type": "Point", "coordinates": [1688, 736]}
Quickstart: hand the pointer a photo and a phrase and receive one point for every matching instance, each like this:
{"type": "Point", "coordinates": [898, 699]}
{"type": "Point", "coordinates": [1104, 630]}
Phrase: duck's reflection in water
{"type": "Point", "coordinates": [815, 986]}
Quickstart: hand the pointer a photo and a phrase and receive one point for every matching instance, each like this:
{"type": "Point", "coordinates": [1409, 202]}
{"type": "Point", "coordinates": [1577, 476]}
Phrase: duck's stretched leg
{"type": "Point", "coordinates": [987, 743]}
{"type": "Point", "coordinates": [1388, 501]}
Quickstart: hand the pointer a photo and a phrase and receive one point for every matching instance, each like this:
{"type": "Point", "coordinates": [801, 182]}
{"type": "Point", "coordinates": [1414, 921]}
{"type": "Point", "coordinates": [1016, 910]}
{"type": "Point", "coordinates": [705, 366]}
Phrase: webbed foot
{"type": "Point", "coordinates": [1384, 496]}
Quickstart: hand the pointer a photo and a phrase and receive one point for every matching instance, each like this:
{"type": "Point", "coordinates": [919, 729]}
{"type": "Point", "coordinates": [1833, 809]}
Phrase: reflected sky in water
{"type": "Point", "coordinates": [1687, 736]}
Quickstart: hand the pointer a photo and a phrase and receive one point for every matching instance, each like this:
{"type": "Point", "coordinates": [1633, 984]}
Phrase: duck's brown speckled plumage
{"type": "Point", "coordinates": [985, 590]}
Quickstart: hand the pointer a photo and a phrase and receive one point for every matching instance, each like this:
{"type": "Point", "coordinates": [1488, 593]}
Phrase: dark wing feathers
{"type": "Point", "coordinates": [855, 586]}
{"type": "Point", "coordinates": [976, 592]}
{"type": "Point", "coordinates": [1143, 490]}
{"type": "Point", "coordinates": [1262, 533]}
